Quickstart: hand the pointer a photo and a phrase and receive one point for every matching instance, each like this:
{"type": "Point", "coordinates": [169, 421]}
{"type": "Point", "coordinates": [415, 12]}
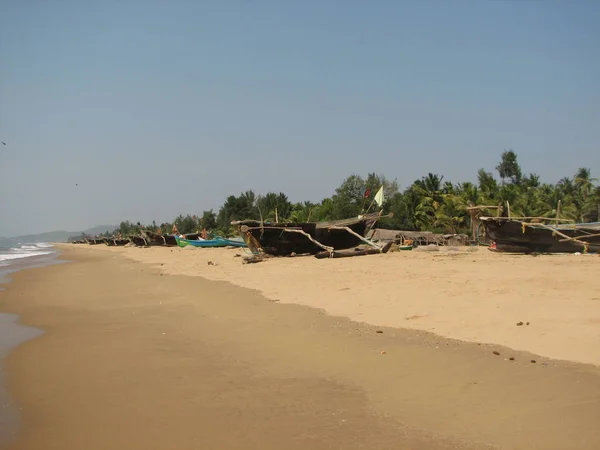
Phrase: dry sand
{"type": "Point", "coordinates": [475, 296]}
{"type": "Point", "coordinates": [137, 358]}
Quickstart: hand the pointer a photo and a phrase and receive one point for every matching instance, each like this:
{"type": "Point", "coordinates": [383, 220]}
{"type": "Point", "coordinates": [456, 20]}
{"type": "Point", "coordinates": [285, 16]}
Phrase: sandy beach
{"type": "Point", "coordinates": [379, 352]}
{"type": "Point", "coordinates": [475, 296]}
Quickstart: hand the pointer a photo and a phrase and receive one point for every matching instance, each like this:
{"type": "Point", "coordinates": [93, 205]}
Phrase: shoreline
{"type": "Point", "coordinates": [14, 333]}
{"type": "Point", "coordinates": [184, 362]}
{"type": "Point", "coordinates": [469, 296]}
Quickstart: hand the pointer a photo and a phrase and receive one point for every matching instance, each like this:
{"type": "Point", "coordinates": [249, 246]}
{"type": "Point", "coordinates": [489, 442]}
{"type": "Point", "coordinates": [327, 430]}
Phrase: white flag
{"type": "Point", "coordinates": [379, 196]}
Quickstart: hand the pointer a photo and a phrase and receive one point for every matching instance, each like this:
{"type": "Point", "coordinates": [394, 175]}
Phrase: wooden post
{"type": "Point", "coordinates": [558, 210]}
{"type": "Point", "coordinates": [508, 208]}
{"type": "Point", "coordinates": [276, 216]}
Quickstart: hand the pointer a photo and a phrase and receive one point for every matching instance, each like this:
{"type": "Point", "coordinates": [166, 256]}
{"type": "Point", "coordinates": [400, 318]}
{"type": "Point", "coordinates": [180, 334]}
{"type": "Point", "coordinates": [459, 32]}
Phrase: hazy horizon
{"type": "Point", "coordinates": [137, 110]}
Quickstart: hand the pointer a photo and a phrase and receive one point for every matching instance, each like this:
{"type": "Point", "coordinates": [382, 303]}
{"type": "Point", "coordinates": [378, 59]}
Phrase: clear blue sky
{"type": "Point", "coordinates": [160, 107]}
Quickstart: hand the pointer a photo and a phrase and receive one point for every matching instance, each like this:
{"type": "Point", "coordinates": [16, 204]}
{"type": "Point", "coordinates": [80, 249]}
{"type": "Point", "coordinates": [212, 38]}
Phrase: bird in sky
{"type": "Point", "coordinates": [4, 143]}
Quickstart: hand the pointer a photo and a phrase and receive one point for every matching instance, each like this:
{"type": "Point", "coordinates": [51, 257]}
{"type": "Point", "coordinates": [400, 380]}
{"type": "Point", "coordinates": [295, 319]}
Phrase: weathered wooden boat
{"type": "Point", "coordinates": [114, 242]}
{"type": "Point", "coordinates": [139, 241]}
{"type": "Point", "coordinates": [524, 236]}
{"type": "Point", "coordinates": [96, 241]}
{"type": "Point", "coordinates": [155, 239]}
{"type": "Point", "coordinates": [283, 239]}
{"type": "Point", "coordinates": [167, 239]}
{"type": "Point", "coordinates": [207, 243]}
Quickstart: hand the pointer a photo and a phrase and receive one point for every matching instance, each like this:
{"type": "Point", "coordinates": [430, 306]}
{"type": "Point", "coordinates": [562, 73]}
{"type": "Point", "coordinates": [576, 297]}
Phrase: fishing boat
{"type": "Point", "coordinates": [284, 239]}
{"type": "Point", "coordinates": [207, 243]}
{"type": "Point", "coordinates": [531, 236]}
{"type": "Point", "coordinates": [139, 241]}
{"type": "Point", "coordinates": [116, 242]}
{"type": "Point", "coordinates": [167, 239]}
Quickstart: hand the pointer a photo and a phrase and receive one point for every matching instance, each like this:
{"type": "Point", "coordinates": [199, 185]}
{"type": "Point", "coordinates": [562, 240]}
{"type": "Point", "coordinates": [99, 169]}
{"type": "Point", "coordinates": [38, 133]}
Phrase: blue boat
{"type": "Point", "coordinates": [208, 243]}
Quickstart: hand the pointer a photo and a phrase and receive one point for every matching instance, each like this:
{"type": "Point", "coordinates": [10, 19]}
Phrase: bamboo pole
{"type": "Point", "coordinates": [324, 247]}
{"type": "Point", "coordinates": [483, 207]}
{"type": "Point", "coordinates": [529, 218]}
{"type": "Point", "coordinates": [587, 236]}
{"type": "Point", "coordinates": [362, 238]}
{"type": "Point", "coordinates": [584, 244]}
{"type": "Point", "coordinates": [558, 210]}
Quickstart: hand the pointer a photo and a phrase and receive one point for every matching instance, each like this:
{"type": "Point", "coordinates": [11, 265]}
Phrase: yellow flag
{"type": "Point", "coordinates": [379, 196]}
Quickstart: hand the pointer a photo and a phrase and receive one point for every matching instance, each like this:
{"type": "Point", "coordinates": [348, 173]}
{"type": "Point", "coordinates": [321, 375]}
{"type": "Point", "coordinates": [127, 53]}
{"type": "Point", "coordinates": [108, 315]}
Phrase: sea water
{"type": "Point", "coordinates": [15, 256]}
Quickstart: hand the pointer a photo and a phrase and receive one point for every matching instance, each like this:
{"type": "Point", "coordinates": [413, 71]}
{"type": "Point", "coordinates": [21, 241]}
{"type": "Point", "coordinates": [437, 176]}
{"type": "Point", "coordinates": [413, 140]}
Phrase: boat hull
{"type": "Point", "coordinates": [512, 236]}
{"type": "Point", "coordinates": [211, 243]}
{"type": "Point", "coordinates": [279, 239]}
{"type": "Point", "coordinates": [117, 242]}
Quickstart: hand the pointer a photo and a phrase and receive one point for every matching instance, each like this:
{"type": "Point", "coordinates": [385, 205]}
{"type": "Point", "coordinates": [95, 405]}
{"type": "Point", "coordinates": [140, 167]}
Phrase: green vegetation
{"type": "Point", "coordinates": [429, 203]}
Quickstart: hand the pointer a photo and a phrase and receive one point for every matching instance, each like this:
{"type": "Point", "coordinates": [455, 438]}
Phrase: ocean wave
{"type": "Point", "coordinates": [9, 256]}
{"type": "Point", "coordinates": [25, 247]}
{"type": "Point", "coordinates": [28, 246]}
{"type": "Point", "coordinates": [26, 251]}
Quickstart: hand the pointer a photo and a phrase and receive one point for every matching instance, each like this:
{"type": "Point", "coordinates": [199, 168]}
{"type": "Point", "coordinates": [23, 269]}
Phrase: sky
{"type": "Point", "coordinates": [144, 109]}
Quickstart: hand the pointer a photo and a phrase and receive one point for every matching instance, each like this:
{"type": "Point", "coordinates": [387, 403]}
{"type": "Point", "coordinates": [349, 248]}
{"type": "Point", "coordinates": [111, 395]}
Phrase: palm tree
{"type": "Point", "coordinates": [469, 193]}
{"type": "Point", "coordinates": [302, 212]}
{"type": "Point", "coordinates": [549, 197]}
{"type": "Point", "coordinates": [451, 215]}
{"type": "Point", "coordinates": [488, 186]}
{"type": "Point", "coordinates": [584, 182]}
{"type": "Point", "coordinates": [419, 209]}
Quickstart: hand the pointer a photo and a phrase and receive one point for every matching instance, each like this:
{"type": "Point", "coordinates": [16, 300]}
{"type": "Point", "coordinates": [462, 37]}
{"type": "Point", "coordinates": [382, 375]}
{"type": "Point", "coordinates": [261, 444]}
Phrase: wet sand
{"type": "Point", "coordinates": [475, 296]}
{"type": "Point", "coordinates": [136, 358]}
{"type": "Point", "coordinates": [11, 335]}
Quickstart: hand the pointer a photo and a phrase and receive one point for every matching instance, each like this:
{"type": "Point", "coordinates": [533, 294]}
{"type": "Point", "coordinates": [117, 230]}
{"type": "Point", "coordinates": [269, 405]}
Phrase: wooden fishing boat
{"type": "Point", "coordinates": [525, 236]}
{"type": "Point", "coordinates": [114, 242]}
{"type": "Point", "coordinates": [207, 243]}
{"type": "Point", "coordinates": [96, 241]}
{"type": "Point", "coordinates": [139, 241]}
{"type": "Point", "coordinates": [283, 239]}
{"type": "Point", "coordinates": [155, 239]}
{"type": "Point", "coordinates": [167, 239]}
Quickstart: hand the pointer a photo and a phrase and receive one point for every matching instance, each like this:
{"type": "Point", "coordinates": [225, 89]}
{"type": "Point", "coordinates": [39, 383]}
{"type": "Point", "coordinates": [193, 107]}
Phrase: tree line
{"type": "Point", "coordinates": [430, 203]}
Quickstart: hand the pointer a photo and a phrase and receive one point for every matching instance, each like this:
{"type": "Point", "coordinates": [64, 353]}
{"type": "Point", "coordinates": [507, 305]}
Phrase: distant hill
{"type": "Point", "coordinates": [51, 236]}
{"type": "Point", "coordinates": [61, 235]}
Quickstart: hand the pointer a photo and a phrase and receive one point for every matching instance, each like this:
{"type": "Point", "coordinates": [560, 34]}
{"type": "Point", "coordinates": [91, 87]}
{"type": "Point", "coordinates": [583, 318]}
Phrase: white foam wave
{"type": "Point", "coordinates": [10, 256]}
{"type": "Point", "coordinates": [26, 251]}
